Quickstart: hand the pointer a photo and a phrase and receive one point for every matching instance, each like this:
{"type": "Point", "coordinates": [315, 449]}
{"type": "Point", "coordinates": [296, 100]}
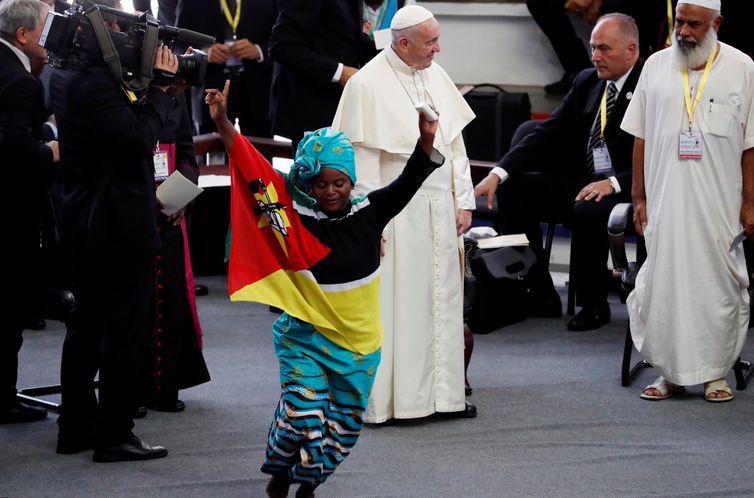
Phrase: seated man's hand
{"type": "Point", "coordinates": [577, 5]}
{"type": "Point", "coordinates": [595, 191]}
{"type": "Point", "coordinates": [53, 145]}
{"type": "Point", "coordinates": [488, 187]}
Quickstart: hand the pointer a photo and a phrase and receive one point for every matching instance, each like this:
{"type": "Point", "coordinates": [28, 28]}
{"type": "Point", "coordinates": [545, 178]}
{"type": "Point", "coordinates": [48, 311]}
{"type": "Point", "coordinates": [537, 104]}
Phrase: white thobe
{"type": "Point", "coordinates": [421, 274]}
{"type": "Point", "coordinates": [689, 311]}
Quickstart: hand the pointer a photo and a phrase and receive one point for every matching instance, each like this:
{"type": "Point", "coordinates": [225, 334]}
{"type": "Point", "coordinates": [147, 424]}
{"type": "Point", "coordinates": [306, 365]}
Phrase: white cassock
{"type": "Point", "coordinates": [690, 310]}
{"type": "Point", "coordinates": [421, 281]}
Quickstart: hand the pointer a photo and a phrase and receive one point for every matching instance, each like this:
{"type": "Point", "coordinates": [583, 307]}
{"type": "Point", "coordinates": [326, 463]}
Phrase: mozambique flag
{"type": "Point", "coordinates": [271, 254]}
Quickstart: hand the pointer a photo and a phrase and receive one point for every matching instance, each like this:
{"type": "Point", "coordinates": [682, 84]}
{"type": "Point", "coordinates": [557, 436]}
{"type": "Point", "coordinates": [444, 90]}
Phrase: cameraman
{"type": "Point", "coordinates": [107, 139]}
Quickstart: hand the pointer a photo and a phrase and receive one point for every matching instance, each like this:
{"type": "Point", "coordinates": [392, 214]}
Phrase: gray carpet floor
{"type": "Point", "coordinates": [553, 421]}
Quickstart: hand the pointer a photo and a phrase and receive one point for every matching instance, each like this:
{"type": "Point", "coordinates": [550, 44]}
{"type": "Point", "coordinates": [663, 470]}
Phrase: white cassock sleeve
{"type": "Point", "coordinates": [464, 187]}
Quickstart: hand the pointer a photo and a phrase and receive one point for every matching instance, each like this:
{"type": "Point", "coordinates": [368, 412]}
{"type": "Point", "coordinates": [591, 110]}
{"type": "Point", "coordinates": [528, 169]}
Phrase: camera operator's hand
{"type": "Point", "coordinates": [167, 61]}
{"type": "Point", "coordinates": [218, 53]}
{"type": "Point", "coordinates": [244, 49]}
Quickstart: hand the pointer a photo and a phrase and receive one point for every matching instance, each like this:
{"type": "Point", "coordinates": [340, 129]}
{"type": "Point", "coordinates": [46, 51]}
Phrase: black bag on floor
{"type": "Point", "coordinates": [500, 297]}
{"type": "Point", "coordinates": [498, 114]}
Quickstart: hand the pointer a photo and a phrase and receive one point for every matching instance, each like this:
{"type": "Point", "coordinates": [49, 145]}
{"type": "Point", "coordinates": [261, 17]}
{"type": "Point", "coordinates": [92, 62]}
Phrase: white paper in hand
{"type": "Point", "coordinates": [176, 192]}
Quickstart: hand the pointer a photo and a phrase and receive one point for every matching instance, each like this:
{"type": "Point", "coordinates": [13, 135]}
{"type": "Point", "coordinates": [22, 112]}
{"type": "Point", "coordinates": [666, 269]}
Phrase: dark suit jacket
{"type": "Point", "coordinates": [308, 41]}
{"type": "Point", "coordinates": [107, 146]}
{"type": "Point", "coordinates": [27, 163]}
{"type": "Point", "coordinates": [257, 19]}
{"type": "Point", "coordinates": [558, 145]}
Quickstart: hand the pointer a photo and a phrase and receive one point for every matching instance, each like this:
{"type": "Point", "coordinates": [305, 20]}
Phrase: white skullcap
{"type": "Point", "coordinates": [410, 15]}
{"type": "Point", "coordinates": [710, 4]}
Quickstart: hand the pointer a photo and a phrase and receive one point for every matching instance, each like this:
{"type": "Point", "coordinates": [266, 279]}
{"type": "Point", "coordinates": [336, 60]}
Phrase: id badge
{"type": "Point", "coordinates": [234, 64]}
{"type": "Point", "coordinates": [602, 162]}
{"type": "Point", "coordinates": [690, 145]}
{"type": "Point", "coordinates": [161, 161]}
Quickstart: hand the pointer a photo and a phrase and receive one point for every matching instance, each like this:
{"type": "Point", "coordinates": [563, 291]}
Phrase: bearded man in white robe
{"type": "Point", "coordinates": [693, 193]}
{"type": "Point", "coordinates": [422, 370]}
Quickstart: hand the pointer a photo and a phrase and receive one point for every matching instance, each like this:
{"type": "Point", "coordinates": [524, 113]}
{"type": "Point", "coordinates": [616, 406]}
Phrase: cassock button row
{"type": "Point", "coordinates": [159, 330]}
{"type": "Point", "coordinates": [160, 301]}
{"type": "Point", "coordinates": [158, 359]}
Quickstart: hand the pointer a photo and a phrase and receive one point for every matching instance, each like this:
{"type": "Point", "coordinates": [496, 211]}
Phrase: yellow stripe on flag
{"type": "Point", "coordinates": [346, 317]}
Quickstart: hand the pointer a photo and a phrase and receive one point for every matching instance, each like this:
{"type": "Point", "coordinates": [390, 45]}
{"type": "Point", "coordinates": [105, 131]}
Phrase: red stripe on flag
{"type": "Point", "coordinates": [257, 249]}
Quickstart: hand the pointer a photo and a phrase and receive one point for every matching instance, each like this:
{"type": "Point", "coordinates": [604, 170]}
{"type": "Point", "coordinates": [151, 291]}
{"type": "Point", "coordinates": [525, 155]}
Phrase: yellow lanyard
{"type": "Point", "coordinates": [690, 110]}
{"type": "Point", "coordinates": [603, 113]}
{"type": "Point", "coordinates": [232, 20]}
{"type": "Point", "coordinates": [668, 41]}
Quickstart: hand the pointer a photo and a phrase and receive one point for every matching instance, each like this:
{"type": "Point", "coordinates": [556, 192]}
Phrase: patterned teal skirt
{"type": "Point", "coordinates": [324, 395]}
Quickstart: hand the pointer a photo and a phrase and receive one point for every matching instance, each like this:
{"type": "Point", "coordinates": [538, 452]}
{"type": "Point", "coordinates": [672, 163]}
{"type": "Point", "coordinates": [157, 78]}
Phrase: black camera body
{"type": "Point", "coordinates": [84, 36]}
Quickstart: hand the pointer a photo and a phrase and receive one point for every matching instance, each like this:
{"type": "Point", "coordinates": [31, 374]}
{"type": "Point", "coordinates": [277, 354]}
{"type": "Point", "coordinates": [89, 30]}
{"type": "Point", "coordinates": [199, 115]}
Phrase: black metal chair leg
{"type": "Point", "coordinates": [627, 371]}
{"type": "Point", "coordinates": [743, 372]}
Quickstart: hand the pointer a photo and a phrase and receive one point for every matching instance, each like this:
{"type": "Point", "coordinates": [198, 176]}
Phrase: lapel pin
{"type": "Point", "coordinates": [629, 95]}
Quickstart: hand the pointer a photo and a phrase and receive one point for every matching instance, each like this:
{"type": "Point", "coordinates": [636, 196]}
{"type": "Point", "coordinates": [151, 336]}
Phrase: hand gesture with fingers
{"type": "Point", "coordinates": [218, 102]}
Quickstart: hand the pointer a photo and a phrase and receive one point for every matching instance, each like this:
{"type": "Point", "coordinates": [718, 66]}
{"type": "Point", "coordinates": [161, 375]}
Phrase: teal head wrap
{"type": "Point", "coordinates": [324, 148]}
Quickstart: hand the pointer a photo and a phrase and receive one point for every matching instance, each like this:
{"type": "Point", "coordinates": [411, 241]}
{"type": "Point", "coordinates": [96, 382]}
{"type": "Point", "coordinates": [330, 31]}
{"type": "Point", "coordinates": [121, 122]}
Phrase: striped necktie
{"type": "Point", "coordinates": [594, 139]}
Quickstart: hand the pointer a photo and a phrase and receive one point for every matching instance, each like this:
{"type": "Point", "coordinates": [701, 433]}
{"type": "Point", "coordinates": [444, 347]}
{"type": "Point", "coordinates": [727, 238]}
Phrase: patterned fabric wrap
{"type": "Point", "coordinates": [324, 395]}
{"type": "Point", "coordinates": [324, 148]}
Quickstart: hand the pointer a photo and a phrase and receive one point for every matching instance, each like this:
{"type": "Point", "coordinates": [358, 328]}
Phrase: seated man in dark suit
{"type": "Point", "coordinates": [27, 171]}
{"type": "Point", "coordinates": [574, 167]}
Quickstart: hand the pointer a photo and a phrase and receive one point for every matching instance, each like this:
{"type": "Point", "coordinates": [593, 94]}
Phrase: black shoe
{"type": "Point", "coordinates": [34, 323]}
{"type": "Point", "coordinates": [590, 318]}
{"type": "Point", "coordinates": [468, 412]}
{"type": "Point", "coordinates": [200, 290]}
{"type": "Point", "coordinates": [139, 412]}
{"type": "Point", "coordinates": [549, 306]}
{"type": "Point", "coordinates": [132, 450]}
{"type": "Point", "coordinates": [169, 406]}
{"type": "Point", "coordinates": [22, 413]}
{"type": "Point", "coordinates": [68, 445]}
{"type": "Point", "coordinates": [563, 85]}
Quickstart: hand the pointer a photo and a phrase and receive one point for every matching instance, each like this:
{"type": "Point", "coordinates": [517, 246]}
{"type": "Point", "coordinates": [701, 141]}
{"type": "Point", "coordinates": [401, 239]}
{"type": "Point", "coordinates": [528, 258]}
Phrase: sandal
{"type": "Point", "coordinates": [717, 386]}
{"type": "Point", "coordinates": [666, 389]}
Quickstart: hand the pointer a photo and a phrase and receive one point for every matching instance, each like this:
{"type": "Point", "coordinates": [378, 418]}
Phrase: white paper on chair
{"type": "Point", "coordinates": [516, 239]}
{"type": "Point", "coordinates": [176, 192]}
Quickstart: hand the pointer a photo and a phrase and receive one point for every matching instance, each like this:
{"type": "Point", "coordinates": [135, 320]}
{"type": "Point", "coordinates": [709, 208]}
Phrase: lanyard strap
{"type": "Point", "coordinates": [668, 41]}
{"type": "Point", "coordinates": [690, 110]}
{"type": "Point", "coordinates": [232, 20]}
{"type": "Point", "coordinates": [603, 114]}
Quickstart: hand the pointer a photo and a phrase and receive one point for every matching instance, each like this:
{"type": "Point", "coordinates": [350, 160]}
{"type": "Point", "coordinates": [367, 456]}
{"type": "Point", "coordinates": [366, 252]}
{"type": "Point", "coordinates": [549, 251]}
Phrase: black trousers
{"type": "Point", "coordinates": [528, 199]}
{"type": "Point", "coordinates": [107, 333]}
{"type": "Point", "coordinates": [19, 280]}
{"type": "Point", "coordinates": [552, 19]}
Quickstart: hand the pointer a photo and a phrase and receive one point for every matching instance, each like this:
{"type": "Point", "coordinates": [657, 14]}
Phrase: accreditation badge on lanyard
{"type": "Point", "coordinates": [600, 155]}
{"type": "Point", "coordinates": [602, 163]}
{"type": "Point", "coordinates": [689, 141]}
{"type": "Point", "coordinates": [164, 161]}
